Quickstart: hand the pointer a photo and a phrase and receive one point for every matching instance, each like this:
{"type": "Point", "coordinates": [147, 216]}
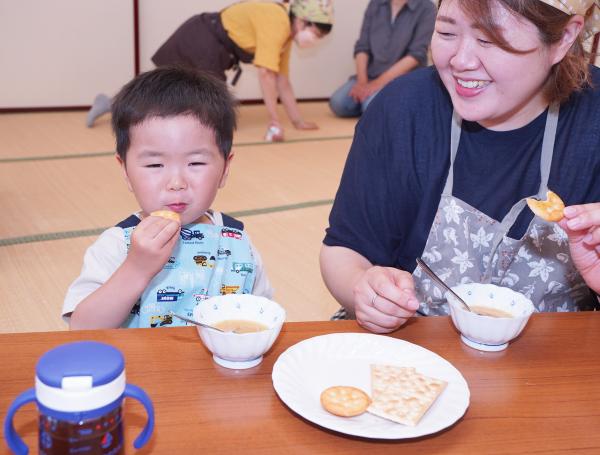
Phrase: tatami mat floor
{"type": "Point", "coordinates": [61, 185]}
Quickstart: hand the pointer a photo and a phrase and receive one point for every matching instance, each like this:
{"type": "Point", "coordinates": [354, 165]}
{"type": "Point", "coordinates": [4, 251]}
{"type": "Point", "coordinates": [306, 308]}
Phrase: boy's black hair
{"type": "Point", "coordinates": [323, 28]}
{"type": "Point", "coordinates": [169, 91]}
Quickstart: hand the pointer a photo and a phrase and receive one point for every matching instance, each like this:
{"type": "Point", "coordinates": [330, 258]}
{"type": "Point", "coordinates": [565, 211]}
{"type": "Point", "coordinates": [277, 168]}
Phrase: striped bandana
{"type": "Point", "coordinates": [320, 11]}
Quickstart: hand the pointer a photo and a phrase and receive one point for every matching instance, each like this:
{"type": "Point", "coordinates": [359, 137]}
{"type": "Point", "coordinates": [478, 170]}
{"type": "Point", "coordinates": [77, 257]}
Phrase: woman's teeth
{"type": "Point", "coordinates": [472, 84]}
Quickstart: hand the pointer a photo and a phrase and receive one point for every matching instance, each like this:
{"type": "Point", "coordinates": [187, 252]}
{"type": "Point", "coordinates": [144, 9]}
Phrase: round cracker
{"type": "Point", "coordinates": [345, 401]}
{"type": "Point", "coordinates": [550, 210]}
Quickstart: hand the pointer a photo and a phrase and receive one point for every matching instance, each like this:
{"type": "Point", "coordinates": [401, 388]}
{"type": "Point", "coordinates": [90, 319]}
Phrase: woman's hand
{"type": "Point", "coordinates": [152, 243]}
{"type": "Point", "coordinates": [358, 92]}
{"type": "Point", "coordinates": [303, 125]}
{"type": "Point", "coordinates": [384, 298]}
{"type": "Point", "coordinates": [582, 225]}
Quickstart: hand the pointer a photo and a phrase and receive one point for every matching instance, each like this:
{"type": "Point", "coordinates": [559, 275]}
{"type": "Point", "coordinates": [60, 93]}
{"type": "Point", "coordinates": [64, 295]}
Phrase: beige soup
{"type": "Point", "coordinates": [240, 326]}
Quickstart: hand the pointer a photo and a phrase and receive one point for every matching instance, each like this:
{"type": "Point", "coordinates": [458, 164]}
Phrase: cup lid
{"type": "Point", "coordinates": [101, 362]}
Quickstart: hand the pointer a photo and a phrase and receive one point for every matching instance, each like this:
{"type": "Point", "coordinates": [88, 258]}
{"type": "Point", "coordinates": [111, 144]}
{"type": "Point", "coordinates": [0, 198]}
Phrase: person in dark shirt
{"type": "Point", "coordinates": [421, 182]}
{"type": "Point", "coordinates": [394, 39]}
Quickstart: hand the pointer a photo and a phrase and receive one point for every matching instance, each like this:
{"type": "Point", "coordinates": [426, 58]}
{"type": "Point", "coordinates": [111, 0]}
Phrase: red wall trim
{"type": "Point", "coordinates": [23, 110]}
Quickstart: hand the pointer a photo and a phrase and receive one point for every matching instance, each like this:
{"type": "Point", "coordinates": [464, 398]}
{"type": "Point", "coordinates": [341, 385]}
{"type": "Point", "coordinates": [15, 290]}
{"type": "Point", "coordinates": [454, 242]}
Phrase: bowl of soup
{"type": "Point", "coordinates": [498, 315]}
{"type": "Point", "coordinates": [250, 326]}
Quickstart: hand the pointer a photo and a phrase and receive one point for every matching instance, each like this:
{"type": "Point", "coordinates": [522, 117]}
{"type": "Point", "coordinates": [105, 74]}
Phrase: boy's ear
{"type": "Point", "coordinates": [124, 169]}
{"type": "Point", "coordinates": [226, 170]}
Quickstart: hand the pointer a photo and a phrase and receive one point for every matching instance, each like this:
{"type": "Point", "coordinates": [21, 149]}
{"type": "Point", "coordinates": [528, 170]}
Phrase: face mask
{"type": "Point", "coordinates": [305, 38]}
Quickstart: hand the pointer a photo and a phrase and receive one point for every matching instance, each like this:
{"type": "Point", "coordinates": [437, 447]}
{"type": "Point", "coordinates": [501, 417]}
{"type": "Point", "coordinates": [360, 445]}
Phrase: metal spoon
{"type": "Point", "coordinates": [201, 324]}
{"type": "Point", "coordinates": [440, 283]}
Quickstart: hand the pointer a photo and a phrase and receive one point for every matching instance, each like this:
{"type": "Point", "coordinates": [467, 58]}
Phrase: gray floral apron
{"type": "Point", "coordinates": [465, 245]}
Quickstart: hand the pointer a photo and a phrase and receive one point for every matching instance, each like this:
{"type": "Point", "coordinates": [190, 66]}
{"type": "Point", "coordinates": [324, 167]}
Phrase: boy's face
{"type": "Point", "coordinates": [173, 163]}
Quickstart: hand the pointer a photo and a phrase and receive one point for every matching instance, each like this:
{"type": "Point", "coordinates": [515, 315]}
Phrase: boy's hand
{"type": "Point", "coordinates": [384, 299]}
{"type": "Point", "coordinates": [582, 225]}
{"type": "Point", "coordinates": [152, 243]}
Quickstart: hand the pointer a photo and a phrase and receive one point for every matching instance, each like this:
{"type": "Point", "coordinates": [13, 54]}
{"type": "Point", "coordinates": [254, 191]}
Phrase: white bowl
{"type": "Point", "coordinates": [239, 350]}
{"type": "Point", "coordinates": [488, 333]}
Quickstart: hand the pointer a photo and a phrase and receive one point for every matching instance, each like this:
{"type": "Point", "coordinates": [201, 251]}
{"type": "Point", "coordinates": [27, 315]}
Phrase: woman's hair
{"type": "Point", "coordinates": [567, 76]}
{"type": "Point", "coordinates": [323, 28]}
{"type": "Point", "coordinates": [171, 91]}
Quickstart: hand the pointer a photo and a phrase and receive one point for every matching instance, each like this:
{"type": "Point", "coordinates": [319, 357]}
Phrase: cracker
{"type": "Point", "coordinates": [402, 394]}
{"type": "Point", "coordinates": [550, 210]}
{"type": "Point", "coordinates": [169, 215]}
{"type": "Point", "coordinates": [345, 401]}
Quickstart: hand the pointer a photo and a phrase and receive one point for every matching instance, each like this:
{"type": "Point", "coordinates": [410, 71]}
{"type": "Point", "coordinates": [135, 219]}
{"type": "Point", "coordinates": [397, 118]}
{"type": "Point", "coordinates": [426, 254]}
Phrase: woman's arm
{"type": "Point", "coordinates": [402, 66]}
{"type": "Point", "coordinates": [286, 95]}
{"type": "Point", "coordinates": [268, 86]}
{"type": "Point", "coordinates": [359, 89]}
{"type": "Point", "coordinates": [382, 298]}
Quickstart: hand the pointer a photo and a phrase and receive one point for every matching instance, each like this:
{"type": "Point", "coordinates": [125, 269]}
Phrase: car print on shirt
{"type": "Point", "coordinates": [204, 260]}
{"type": "Point", "coordinates": [161, 320]}
{"type": "Point", "coordinates": [201, 295]}
{"type": "Point", "coordinates": [229, 289]}
{"type": "Point", "coordinates": [172, 263]}
{"type": "Point", "coordinates": [188, 234]}
{"type": "Point", "coordinates": [223, 252]}
{"type": "Point", "coordinates": [238, 267]}
{"type": "Point", "coordinates": [168, 296]}
{"type": "Point", "coordinates": [232, 233]}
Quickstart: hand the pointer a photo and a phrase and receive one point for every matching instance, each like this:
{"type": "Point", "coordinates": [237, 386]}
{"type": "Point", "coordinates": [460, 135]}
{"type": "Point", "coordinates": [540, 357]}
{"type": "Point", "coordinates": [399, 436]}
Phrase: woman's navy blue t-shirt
{"type": "Point", "coordinates": [399, 160]}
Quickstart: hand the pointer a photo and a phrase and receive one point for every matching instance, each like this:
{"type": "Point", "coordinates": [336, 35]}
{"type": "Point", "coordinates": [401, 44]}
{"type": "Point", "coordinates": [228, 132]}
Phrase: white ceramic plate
{"type": "Point", "coordinates": [304, 370]}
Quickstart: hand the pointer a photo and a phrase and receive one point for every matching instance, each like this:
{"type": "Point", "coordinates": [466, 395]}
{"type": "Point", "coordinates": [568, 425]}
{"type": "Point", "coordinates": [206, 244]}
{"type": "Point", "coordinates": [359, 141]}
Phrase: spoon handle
{"type": "Point", "coordinates": [439, 282]}
{"type": "Point", "coordinates": [191, 321]}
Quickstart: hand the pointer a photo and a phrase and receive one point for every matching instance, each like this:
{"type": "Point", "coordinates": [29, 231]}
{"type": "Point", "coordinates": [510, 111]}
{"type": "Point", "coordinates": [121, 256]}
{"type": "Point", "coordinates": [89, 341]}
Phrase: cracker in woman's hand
{"type": "Point", "coordinates": [550, 210]}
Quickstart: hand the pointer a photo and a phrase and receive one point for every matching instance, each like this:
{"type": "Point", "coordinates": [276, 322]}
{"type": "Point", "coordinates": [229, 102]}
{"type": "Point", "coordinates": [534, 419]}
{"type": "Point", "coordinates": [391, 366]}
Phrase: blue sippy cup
{"type": "Point", "coordinates": [79, 390]}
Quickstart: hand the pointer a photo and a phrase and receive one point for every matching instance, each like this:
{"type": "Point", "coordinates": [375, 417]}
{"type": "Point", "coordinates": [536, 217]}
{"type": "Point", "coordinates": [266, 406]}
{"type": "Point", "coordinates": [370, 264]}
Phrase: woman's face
{"type": "Point", "coordinates": [498, 89]}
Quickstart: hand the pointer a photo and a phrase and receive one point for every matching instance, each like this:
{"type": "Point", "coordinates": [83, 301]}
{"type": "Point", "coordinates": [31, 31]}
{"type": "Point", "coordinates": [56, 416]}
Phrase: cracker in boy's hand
{"type": "Point", "coordinates": [550, 210]}
{"type": "Point", "coordinates": [401, 394]}
{"type": "Point", "coordinates": [168, 214]}
{"type": "Point", "coordinates": [344, 401]}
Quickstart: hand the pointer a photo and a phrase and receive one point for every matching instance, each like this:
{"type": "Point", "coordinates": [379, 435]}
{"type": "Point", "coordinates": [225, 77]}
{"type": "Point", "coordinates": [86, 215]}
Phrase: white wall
{"type": "Point", "coordinates": [63, 52]}
{"type": "Point", "coordinates": [315, 73]}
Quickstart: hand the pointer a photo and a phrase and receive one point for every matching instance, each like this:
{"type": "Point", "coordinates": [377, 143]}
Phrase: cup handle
{"type": "Point", "coordinates": [139, 394]}
{"type": "Point", "coordinates": [14, 441]}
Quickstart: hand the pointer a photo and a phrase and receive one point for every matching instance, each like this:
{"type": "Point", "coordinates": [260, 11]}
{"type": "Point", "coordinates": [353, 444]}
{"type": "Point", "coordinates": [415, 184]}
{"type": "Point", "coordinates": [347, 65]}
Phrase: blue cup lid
{"type": "Point", "coordinates": [102, 362]}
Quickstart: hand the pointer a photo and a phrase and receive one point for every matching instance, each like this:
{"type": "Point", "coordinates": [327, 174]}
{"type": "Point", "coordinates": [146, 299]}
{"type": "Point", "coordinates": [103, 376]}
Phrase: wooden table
{"type": "Point", "coordinates": [541, 395]}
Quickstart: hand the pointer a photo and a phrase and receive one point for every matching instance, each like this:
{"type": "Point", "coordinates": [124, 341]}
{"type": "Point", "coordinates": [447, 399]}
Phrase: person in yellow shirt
{"type": "Point", "coordinates": [256, 32]}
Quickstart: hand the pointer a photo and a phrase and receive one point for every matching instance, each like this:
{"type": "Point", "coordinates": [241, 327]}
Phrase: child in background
{"type": "Point", "coordinates": [174, 132]}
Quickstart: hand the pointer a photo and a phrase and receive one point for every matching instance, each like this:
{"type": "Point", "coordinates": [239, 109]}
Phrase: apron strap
{"type": "Point", "coordinates": [548, 148]}
{"type": "Point", "coordinates": [545, 164]}
{"type": "Point", "coordinates": [545, 159]}
{"type": "Point", "coordinates": [455, 131]}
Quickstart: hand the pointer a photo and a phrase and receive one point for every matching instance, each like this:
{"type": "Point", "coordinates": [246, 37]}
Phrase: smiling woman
{"type": "Point", "coordinates": [443, 161]}
{"type": "Point", "coordinates": [519, 62]}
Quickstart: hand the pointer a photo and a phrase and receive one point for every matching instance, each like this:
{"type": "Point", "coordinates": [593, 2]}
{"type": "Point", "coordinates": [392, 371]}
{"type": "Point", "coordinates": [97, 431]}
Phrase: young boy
{"type": "Point", "coordinates": [174, 131]}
